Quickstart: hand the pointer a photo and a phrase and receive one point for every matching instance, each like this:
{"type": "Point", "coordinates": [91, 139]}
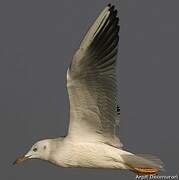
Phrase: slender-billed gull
{"type": "Point", "coordinates": [92, 139]}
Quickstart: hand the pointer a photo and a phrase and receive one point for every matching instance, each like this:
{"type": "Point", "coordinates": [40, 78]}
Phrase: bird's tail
{"type": "Point", "coordinates": [143, 164]}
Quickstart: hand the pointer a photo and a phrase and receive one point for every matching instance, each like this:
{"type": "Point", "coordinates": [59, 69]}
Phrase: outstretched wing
{"type": "Point", "coordinates": [91, 82]}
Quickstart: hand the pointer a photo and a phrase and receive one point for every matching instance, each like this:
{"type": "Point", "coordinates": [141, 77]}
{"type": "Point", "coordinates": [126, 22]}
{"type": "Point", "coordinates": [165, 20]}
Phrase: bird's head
{"type": "Point", "coordinates": [39, 150]}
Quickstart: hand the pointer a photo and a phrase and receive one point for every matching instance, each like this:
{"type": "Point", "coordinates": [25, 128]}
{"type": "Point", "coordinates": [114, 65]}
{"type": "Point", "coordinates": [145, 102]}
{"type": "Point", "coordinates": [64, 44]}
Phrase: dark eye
{"type": "Point", "coordinates": [35, 149]}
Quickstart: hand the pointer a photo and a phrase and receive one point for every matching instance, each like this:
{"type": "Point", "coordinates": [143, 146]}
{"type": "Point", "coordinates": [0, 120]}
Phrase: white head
{"type": "Point", "coordinates": [40, 150]}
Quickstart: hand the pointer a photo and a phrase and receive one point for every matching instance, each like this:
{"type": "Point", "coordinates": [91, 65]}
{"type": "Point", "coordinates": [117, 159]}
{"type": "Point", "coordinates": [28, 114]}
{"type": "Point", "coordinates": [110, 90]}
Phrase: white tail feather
{"type": "Point", "coordinates": [143, 160]}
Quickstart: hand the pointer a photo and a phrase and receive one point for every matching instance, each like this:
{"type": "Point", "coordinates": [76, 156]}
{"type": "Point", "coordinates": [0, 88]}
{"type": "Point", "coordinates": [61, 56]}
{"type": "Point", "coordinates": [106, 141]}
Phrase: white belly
{"type": "Point", "coordinates": [91, 155]}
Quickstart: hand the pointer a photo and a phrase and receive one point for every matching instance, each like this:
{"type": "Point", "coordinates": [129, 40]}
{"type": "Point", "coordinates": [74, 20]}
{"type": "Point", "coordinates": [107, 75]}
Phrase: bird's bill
{"type": "Point", "coordinates": [21, 159]}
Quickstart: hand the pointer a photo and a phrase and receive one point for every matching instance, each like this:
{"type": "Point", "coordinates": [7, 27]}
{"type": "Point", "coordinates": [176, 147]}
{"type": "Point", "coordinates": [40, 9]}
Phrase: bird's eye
{"type": "Point", "coordinates": [35, 149]}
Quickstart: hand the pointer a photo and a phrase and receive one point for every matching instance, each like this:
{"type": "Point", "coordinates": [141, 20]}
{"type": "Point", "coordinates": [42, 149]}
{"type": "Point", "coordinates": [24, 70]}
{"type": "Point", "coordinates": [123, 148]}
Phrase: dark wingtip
{"type": "Point", "coordinates": [112, 7]}
{"type": "Point", "coordinates": [14, 163]}
{"type": "Point", "coordinates": [115, 11]}
{"type": "Point", "coordinates": [117, 19]}
{"type": "Point", "coordinates": [118, 110]}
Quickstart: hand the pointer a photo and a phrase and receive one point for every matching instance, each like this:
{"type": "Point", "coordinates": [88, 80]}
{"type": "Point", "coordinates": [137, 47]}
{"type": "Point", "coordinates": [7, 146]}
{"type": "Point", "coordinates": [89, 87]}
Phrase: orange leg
{"type": "Point", "coordinates": [144, 170]}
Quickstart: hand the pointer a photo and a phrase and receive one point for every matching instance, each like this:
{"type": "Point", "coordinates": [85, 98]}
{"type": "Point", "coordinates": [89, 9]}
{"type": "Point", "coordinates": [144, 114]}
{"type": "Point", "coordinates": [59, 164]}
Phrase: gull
{"type": "Point", "coordinates": [92, 140]}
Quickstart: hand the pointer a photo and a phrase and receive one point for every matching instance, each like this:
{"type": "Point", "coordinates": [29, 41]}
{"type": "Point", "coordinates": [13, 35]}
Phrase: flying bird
{"type": "Point", "coordinates": [92, 140]}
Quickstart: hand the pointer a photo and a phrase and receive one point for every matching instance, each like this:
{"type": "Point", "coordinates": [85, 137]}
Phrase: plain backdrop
{"type": "Point", "coordinates": [37, 42]}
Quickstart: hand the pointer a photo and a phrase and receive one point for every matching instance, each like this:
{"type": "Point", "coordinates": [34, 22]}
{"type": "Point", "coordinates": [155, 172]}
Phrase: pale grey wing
{"type": "Point", "coordinates": [91, 82]}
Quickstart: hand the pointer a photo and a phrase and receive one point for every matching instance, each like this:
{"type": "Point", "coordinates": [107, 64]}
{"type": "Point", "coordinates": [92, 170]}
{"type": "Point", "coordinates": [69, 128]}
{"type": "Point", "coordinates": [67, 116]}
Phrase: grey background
{"type": "Point", "coordinates": [37, 42]}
